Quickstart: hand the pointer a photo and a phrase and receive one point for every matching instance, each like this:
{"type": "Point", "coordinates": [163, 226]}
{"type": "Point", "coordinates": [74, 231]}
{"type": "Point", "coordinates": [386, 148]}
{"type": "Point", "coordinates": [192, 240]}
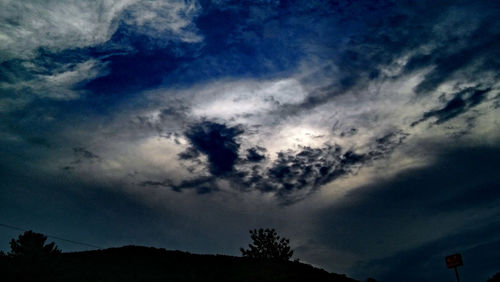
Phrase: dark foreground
{"type": "Point", "coordinates": [132, 263]}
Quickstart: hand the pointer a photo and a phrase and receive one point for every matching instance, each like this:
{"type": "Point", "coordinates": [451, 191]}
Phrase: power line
{"type": "Point", "coordinates": [52, 236]}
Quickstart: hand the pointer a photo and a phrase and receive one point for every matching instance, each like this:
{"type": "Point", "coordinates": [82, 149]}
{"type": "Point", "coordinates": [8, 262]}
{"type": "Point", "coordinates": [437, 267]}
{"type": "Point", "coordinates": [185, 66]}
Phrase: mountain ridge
{"type": "Point", "coordinates": [139, 263]}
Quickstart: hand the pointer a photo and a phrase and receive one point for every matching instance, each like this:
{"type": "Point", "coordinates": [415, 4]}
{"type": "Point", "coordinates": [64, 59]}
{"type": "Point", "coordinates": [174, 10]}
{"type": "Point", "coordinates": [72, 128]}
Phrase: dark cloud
{"type": "Point", "coordinates": [256, 154]}
{"type": "Point", "coordinates": [202, 185]}
{"type": "Point", "coordinates": [313, 167]}
{"type": "Point", "coordinates": [348, 133]}
{"type": "Point", "coordinates": [460, 103]}
{"type": "Point", "coordinates": [72, 208]}
{"type": "Point", "coordinates": [383, 146]}
{"type": "Point", "coordinates": [81, 156]}
{"type": "Point", "coordinates": [481, 49]}
{"type": "Point", "coordinates": [39, 141]}
{"type": "Point", "coordinates": [14, 71]}
{"type": "Point", "coordinates": [310, 168]}
{"type": "Point", "coordinates": [83, 153]}
{"type": "Point", "coordinates": [165, 183]}
{"type": "Point", "coordinates": [218, 142]}
{"type": "Point", "coordinates": [189, 153]}
{"type": "Point", "coordinates": [430, 208]}
{"type": "Point", "coordinates": [479, 195]}
{"type": "Point", "coordinates": [292, 176]}
{"type": "Point", "coordinates": [461, 47]}
{"type": "Point", "coordinates": [478, 247]}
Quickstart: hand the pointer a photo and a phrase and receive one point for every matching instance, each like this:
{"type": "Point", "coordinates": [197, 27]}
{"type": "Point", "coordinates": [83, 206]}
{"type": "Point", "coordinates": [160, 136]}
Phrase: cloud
{"type": "Point", "coordinates": [81, 156]}
{"type": "Point", "coordinates": [256, 154]}
{"type": "Point", "coordinates": [56, 26]}
{"type": "Point", "coordinates": [476, 50]}
{"type": "Point", "coordinates": [294, 175]}
{"type": "Point", "coordinates": [444, 41]}
{"type": "Point", "coordinates": [58, 81]}
{"type": "Point", "coordinates": [460, 103]}
{"type": "Point", "coordinates": [30, 25]}
{"type": "Point", "coordinates": [202, 185]}
{"type": "Point", "coordinates": [398, 217]}
{"type": "Point", "coordinates": [159, 18]}
{"type": "Point", "coordinates": [290, 175]}
{"type": "Point", "coordinates": [310, 168]}
{"type": "Point", "coordinates": [82, 153]}
{"type": "Point", "coordinates": [218, 142]}
{"type": "Point", "coordinates": [301, 153]}
{"type": "Point", "coordinates": [54, 50]}
{"type": "Point", "coordinates": [476, 246]}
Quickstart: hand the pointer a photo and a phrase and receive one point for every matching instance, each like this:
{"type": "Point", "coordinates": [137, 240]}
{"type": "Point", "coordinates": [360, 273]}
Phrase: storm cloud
{"type": "Point", "coordinates": [218, 142]}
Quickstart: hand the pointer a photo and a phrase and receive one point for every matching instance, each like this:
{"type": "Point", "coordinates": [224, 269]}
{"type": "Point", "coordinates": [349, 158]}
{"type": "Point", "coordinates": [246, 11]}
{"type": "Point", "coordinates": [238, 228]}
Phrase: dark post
{"type": "Point", "coordinates": [456, 272]}
{"type": "Point", "coordinates": [454, 261]}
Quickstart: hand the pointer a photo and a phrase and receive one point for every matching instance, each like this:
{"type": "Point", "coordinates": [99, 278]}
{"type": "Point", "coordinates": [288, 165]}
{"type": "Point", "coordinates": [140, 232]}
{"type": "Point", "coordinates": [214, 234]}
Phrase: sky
{"type": "Point", "coordinates": [366, 132]}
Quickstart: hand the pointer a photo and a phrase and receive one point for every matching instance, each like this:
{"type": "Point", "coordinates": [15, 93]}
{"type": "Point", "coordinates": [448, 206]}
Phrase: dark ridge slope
{"type": "Point", "coordinates": [133, 263]}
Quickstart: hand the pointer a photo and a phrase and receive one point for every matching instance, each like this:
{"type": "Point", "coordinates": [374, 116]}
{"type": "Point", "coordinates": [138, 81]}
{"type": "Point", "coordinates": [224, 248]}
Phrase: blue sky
{"type": "Point", "coordinates": [364, 131]}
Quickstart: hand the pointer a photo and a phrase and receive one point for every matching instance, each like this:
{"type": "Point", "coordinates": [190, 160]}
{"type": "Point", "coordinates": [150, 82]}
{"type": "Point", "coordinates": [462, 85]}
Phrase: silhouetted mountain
{"type": "Point", "coordinates": [133, 263]}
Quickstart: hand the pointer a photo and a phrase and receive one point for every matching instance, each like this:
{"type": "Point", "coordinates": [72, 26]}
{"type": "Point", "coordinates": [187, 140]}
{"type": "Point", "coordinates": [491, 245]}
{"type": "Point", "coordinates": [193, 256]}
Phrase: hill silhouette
{"type": "Point", "coordinates": [135, 263]}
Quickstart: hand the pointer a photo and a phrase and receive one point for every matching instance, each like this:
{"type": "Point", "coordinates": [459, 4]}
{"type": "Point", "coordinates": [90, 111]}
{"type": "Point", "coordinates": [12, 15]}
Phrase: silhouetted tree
{"type": "Point", "coordinates": [371, 280]}
{"type": "Point", "coordinates": [495, 278]}
{"type": "Point", "coordinates": [32, 245]}
{"type": "Point", "coordinates": [267, 245]}
{"type": "Point", "coordinates": [33, 260]}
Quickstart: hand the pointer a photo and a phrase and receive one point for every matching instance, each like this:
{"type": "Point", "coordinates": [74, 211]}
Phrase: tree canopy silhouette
{"type": "Point", "coordinates": [495, 278]}
{"type": "Point", "coordinates": [31, 244]}
{"type": "Point", "coordinates": [267, 245]}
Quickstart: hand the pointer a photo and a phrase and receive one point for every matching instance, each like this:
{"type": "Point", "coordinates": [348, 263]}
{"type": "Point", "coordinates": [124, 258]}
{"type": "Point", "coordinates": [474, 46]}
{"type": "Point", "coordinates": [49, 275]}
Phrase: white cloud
{"type": "Point", "coordinates": [56, 85]}
{"type": "Point", "coordinates": [28, 25]}
{"type": "Point", "coordinates": [243, 101]}
{"type": "Point", "coordinates": [156, 18]}
{"type": "Point", "coordinates": [58, 25]}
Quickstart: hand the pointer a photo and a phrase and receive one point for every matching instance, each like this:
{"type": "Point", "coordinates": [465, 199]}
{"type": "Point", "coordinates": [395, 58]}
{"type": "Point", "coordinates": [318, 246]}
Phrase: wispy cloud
{"type": "Point", "coordinates": [45, 45]}
{"type": "Point", "coordinates": [56, 26]}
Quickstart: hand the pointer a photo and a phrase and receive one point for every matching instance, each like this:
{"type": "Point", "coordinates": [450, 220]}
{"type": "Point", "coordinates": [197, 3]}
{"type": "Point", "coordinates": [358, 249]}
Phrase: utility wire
{"type": "Point", "coordinates": [52, 236]}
